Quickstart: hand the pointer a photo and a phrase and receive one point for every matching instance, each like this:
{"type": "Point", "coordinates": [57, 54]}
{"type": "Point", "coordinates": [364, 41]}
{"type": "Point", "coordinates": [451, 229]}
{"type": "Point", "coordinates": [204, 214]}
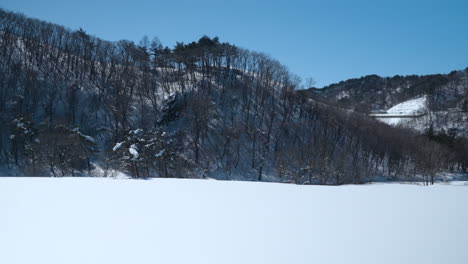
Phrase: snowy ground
{"type": "Point", "coordinates": [89, 220]}
{"type": "Point", "coordinates": [409, 107]}
{"type": "Point", "coordinates": [396, 114]}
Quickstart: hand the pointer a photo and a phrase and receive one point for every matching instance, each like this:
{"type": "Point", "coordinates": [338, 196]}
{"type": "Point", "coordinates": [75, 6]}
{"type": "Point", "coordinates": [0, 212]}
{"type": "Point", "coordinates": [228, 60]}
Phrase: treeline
{"type": "Point", "coordinates": [70, 102]}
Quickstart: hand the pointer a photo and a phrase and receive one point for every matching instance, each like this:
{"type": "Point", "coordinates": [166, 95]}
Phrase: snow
{"type": "Point", "coordinates": [393, 121]}
{"type": "Point", "coordinates": [402, 111]}
{"type": "Point", "coordinates": [99, 220]}
{"type": "Point", "coordinates": [136, 131]}
{"type": "Point", "coordinates": [89, 138]}
{"type": "Point", "coordinates": [409, 107]}
{"type": "Point", "coordinates": [159, 154]}
{"type": "Point", "coordinates": [441, 120]}
{"type": "Point", "coordinates": [117, 146]}
{"type": "Point", "coordinates": [343, 95]}
{"type": "Point", "coordinates": [134, 151]}
{"type": "Point", "coordinates": [99, 171]}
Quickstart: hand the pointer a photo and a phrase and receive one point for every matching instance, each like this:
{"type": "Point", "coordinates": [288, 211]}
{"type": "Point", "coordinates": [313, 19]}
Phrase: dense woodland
{"type": "Point", "coordinates": [71, 103]}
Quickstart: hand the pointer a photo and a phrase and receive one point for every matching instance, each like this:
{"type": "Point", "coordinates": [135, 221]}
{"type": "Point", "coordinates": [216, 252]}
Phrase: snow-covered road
{"type": "Point", "coordinates": [95, 220]}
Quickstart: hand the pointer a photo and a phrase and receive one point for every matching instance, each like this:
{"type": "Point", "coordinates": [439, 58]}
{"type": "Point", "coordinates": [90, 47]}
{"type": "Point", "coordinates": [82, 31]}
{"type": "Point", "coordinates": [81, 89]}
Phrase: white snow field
{"type": "Point", "coordinates": [400, 112]}
{"type": "Point", "coordinates": [409, 107]}
{"type": "Point", "coordinates": [97, 220]}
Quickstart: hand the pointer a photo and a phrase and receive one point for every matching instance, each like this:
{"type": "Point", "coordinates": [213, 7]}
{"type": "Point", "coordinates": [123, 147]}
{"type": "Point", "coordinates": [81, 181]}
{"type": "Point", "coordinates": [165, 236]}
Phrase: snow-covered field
{"type": "Point", "coordinates": [92, 220]}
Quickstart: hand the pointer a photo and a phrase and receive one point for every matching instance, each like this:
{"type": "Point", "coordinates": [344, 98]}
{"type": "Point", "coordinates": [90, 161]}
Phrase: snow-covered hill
{"type": "Point", "coordinates": [442, 96]}
{"type": "Point", "coordinates": [373, 92]}
{"type": "Point", "coordinates": [412, 106]}
{"type": "Point", "coordinates": [415, 114]}
{"type": "Point", "coordinates": [404, 111]}
{"type": "Point", "coordinates": [83, 220]}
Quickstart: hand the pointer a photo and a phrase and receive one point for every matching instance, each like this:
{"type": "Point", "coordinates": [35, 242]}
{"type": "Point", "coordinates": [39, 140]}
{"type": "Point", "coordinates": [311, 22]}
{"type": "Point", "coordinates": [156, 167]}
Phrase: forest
{"type": "Point", "coordinates": [72, 103]}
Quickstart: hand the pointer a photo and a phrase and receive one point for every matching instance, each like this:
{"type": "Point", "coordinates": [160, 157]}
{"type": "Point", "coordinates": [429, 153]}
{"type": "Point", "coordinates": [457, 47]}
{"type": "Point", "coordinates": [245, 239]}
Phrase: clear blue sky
{"type": "Point", "coordinates": [328, 40]}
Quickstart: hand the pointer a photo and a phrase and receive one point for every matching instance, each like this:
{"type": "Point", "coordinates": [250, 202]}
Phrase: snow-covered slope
{"type": "Point", "coordinates": [409, 107]}
{"type": "Point", "coordinates": [441, 120]}
{"type": "Point", "coordinates": [414, 114]}
{"type": "Point", "coordinates": [375, 92]}
{"type": "Point", "coordinates": [76, 220]}
{"type": "Point", "coordinates": [403, 111]}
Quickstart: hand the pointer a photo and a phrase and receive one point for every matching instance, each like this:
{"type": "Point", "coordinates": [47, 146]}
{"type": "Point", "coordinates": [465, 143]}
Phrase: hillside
{"type": "Point", "coordinates": [444, 91]}
{"type": "Point", "coordinates": [415, 114]}
{"type": "Point", "coordinates": [445, 99]}
{"type": "Point", "coordinates": [432, 105]}
{"type": "Point", "coordinates": [76, 105]}
{"type": "Point", "coordinates": [94, 221]}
